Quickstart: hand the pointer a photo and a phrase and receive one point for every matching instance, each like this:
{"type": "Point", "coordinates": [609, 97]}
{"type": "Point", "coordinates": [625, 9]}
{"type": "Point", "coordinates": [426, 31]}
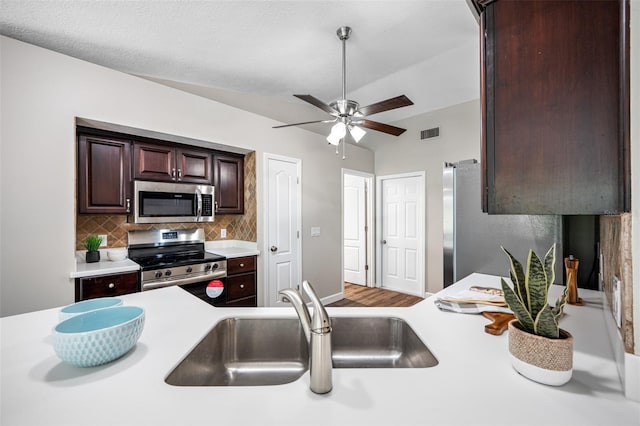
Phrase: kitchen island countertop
{"type": "Point", "coordinates": [473, 383]}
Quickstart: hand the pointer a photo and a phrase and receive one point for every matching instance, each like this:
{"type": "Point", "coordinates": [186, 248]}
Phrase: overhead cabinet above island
{"type": "Point", "coordinates": [555, 106]}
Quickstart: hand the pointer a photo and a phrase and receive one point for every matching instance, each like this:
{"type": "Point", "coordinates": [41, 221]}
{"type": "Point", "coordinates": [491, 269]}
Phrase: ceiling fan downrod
{"type": "Point", "coordinates": [343, 34]}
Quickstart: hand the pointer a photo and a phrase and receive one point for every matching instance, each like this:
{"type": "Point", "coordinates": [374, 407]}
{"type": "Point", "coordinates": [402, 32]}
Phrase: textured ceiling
{"type": "Point", "coordinates": [256, 54]}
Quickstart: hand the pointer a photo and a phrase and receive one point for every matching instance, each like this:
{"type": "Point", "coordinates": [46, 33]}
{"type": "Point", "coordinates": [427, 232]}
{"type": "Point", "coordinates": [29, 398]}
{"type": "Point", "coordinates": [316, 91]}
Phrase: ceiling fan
{"type": "Point", "coordinates": [348, 116]}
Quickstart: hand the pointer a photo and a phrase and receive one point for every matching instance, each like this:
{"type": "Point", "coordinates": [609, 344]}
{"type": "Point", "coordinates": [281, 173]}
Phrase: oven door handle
{"type": "Point", "coordinates": [159, 284]}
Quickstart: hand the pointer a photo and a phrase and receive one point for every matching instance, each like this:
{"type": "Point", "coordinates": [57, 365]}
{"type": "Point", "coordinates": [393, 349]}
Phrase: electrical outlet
{"type": "Point", "coordinates": [315, 231]}
{"type": "Point", "coordinates": [104, 240]}
{"type": "Point", "coordinates": [617, 301]}
{"type": "Point", "coordinates": [223, 233]}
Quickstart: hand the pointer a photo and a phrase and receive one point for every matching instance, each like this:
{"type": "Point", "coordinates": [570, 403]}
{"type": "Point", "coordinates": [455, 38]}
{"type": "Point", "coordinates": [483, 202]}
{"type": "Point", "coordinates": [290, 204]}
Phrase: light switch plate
{"type": "Point", "coordinates": [617, 301]}
{"type": "Point", "coordinates": [104, 240]}
{"type": "Point", "coordinates": [223, 233]}
{"type": "Point", "coordinates": [315, 231]}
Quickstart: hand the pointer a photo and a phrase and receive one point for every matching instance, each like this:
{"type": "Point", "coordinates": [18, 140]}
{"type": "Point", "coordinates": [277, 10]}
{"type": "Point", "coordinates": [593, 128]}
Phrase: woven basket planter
{"type": "Point", "coordinates": [543, 360]}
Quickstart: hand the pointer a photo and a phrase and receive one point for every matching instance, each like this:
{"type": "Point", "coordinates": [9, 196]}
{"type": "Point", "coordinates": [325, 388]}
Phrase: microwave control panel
{"type": "Point", "coordinates": [207, 205]}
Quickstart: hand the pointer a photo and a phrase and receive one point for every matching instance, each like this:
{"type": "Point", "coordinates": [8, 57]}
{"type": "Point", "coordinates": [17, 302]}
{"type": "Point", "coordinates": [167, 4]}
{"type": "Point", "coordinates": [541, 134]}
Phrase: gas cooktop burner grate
{"type": "Point", "coordinates": [175, 259]}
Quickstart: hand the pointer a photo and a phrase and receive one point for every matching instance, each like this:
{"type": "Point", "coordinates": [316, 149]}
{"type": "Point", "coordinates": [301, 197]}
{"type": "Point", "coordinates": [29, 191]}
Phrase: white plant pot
{"type": "Point", "coordinates": [538, 358]}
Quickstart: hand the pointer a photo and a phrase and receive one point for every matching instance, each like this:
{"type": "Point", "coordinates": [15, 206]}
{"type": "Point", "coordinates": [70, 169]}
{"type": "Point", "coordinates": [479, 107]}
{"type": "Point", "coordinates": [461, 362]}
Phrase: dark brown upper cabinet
{"type": "Point", "coordinates": [104, 176]}
{"type": "Point", "coordinates": [229, 183]}
{"type": "Point", "coordinates": [555, 106]}
{"type": "Point", "coordinates": [171, 164]}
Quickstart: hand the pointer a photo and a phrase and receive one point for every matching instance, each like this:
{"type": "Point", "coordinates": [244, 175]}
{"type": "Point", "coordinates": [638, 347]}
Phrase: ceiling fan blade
{"type": "Point", "coordinates": [381, 127]}
{"type": "Point", "coordinates": [386, 105]}
{"type": "Point", "coordinates": [317, 103]}
{"type": "Point", "coordinates": [300, 124]}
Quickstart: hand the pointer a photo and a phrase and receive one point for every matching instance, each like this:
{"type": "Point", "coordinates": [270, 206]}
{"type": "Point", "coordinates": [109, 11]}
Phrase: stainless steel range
{"type": "Point", "coordinates": [177, 257]}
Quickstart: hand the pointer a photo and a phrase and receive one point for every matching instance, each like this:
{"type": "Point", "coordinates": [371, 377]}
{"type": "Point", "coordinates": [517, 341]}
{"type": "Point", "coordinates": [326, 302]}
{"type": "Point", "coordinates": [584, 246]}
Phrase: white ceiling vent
{"type": "Point", "coordinates": [431, 133]}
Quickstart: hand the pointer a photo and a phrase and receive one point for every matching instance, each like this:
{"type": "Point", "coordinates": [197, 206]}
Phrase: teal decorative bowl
{"type": "Point", "coordinates": [98, 337]}
{"type": "Point", "coordinates": [88, 306]}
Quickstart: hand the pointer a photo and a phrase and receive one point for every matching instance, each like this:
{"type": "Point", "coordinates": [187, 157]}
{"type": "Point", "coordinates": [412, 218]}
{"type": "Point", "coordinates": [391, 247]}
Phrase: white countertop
{"type": "Point", "coordinates": [227, 248]}
{"type": "Point", "coordinates": [232, 248]}
{"type": "Point", "coordinates": [104, 267]}
{"type": "Point", "coordinates": [473, 383]}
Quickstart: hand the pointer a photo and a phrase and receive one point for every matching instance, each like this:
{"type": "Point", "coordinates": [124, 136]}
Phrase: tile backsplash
{"type": "Point", "coordinates": [239, 227]}
{"type": "Point", "coordinates": [615, 243]}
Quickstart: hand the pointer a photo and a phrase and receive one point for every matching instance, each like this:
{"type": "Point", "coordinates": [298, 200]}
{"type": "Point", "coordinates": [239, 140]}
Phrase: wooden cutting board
{"type": "Point", "coordinates": [499, 324]}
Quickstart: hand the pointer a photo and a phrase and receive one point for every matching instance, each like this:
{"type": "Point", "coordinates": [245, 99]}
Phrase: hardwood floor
{"type": "Point", "coordinates": [361, 296]}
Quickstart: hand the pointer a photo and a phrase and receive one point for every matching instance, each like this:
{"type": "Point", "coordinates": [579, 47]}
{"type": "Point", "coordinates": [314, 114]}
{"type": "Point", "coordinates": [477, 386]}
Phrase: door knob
{"type": "Point", "coordinates": [274, 249]}
{"type": "Point", "coordinates": [384, 241]}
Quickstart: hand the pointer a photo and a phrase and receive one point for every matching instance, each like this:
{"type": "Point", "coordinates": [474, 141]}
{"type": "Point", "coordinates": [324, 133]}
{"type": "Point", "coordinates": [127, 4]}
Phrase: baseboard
{"type": "Point", "coordinates": [332, 298]}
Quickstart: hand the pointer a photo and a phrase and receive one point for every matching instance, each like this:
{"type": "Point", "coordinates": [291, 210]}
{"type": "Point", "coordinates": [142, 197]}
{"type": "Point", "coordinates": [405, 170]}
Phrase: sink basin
{"type": "Point", "coordinates": [377, 342]}
{"type": "Point", "coordinates": [273, 351]}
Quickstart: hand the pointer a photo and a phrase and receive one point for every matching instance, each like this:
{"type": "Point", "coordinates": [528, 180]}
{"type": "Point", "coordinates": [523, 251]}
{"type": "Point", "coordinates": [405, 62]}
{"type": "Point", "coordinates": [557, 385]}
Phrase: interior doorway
{"type": "Point", "coordinates": [283, 220]}
{"type": "Point", "coordinates": [400, 229]}
{"type": "Point", "coordinates": [357, 229]}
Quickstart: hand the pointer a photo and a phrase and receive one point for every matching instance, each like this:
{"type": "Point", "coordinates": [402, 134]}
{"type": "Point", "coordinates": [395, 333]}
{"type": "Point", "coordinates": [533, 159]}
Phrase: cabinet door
{"type": "Point", "coordinates": [229, 183]}
{"type": "Point", "coordinates": [193, 166]}
{"type": "Point", "coordinates": [104, 175]}
{"type": "Point", "coordinates": [555, 104]}
{"type": "Point", "coordinates": [154, 162]}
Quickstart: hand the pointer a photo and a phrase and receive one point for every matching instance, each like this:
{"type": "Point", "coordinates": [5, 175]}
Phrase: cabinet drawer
{"type": "Point", "coordinates": [241, 265]}
{"type": "Point", "coordinates": [107, 285]}
{"type": "Point", "coordinates": [241, 286]}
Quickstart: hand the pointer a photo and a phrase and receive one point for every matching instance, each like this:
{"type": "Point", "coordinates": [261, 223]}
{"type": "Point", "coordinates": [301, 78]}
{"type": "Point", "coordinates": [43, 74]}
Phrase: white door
{"type": "Point", "coordinates": [283, 219]}
{"type": "Point", "coordinates": [402, 233]}
{"type": "Point", "coordinates": [354, 226]}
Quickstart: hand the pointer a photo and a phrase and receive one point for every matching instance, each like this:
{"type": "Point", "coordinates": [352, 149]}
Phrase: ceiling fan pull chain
{"type": "Point", "coordinates": [344, 149]}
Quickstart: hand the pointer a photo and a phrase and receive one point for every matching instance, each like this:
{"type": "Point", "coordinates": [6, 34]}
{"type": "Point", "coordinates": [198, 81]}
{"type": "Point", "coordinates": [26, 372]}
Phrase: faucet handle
{"type": "Point", "coordinates": [320, 321]}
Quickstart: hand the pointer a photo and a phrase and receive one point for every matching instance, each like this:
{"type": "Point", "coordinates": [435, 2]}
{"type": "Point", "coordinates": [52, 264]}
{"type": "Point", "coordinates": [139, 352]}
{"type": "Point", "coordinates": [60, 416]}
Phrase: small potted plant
{"type": "Point", "coordinates": [540, 350]}
{"type": "Point", "coordinates": [92, 244]}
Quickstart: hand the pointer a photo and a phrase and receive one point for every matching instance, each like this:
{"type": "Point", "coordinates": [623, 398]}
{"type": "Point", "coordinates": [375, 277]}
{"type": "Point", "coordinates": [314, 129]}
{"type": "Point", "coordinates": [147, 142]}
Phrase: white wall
{"type": "Point", "coordinates": [41, 94]}
{"type": "Point", "coordinates": [459, 140]}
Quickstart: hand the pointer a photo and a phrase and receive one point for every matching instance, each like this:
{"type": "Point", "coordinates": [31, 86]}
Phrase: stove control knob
{"type": "Point", "coordinates": [167, 273]}
{"type": "Point", "coordinates": [207, 267]}
{"type": "Point", "coordinates": [158, 274]}
{"type": "Point", "coordinates": [189, 269]}
{"type": "Point", "coordinates": [215, 266]}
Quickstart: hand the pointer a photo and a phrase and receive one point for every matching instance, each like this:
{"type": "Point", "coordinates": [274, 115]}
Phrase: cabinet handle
{"type": "Point", "coordinates": [242, 265]}
{"type": "Point", "coordinates": [128, 205]}
{"type": "Point", "coordinates": [241, 285]}
{"type": "Point", "coordinates": [179, 174]}
{"type": "Point", "coordinates": [111, 285]}
{"type": "Point", "coordinates": [216, 206]}
{"type": "Point", "coordinates": [173, 173]}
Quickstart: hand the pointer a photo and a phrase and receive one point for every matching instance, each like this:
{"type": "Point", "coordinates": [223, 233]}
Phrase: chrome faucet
{"type": "Point", "coordinates": [318, 334]}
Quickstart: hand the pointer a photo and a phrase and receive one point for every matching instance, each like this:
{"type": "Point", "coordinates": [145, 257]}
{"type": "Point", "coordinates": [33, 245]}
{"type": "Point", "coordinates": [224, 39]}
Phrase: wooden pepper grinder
{"type": "Point", "coordinates": [571, 264]}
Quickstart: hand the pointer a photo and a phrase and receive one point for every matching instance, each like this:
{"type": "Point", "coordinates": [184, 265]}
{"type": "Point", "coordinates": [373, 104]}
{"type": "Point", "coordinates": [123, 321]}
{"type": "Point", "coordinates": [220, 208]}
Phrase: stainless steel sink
{"type": "Point", "coordinates": [377, 342]}
{"type": "Point", "coordinates": [273, 351]}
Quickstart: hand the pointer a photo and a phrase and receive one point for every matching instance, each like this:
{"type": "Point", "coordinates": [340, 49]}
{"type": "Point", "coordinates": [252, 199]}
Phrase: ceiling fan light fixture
{"type": "Point", "coordinates": [357, 133]}
{"type": "Point", "coordinates": [338, 131]}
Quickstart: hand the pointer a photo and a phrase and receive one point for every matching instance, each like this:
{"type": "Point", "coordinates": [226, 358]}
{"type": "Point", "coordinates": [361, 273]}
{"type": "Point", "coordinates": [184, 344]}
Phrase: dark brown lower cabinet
{"type": "Point", "coordinates": [107, 285]}
{"type": "Point", "coordinates": [241, 281]}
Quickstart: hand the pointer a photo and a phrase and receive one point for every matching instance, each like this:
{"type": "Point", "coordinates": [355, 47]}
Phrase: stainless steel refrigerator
{"type": "Point", "coordinates": [472, 239]}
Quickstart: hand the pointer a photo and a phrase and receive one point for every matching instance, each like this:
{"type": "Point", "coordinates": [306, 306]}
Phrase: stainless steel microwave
{"type": "Point", "coordinates": [162, 202]}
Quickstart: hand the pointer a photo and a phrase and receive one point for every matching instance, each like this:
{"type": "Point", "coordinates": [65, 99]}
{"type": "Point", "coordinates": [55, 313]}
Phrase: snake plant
{"type": "Point", "coordinates": [528, 297]}
{"type": "Point", "coordinates": [92, 242]}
